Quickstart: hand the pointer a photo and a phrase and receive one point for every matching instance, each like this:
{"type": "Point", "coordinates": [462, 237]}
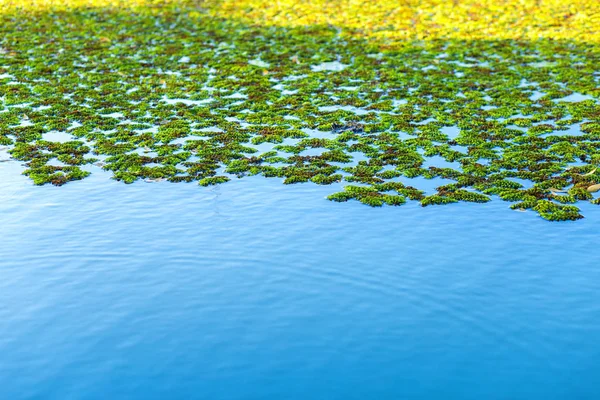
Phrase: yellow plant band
{"type": "Point", "coordinates": [388, 20]}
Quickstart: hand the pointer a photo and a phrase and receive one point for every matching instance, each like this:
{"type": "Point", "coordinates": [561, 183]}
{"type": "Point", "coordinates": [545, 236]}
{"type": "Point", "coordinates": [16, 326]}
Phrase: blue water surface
{"type": "Point", "coordinates": [258, 290]}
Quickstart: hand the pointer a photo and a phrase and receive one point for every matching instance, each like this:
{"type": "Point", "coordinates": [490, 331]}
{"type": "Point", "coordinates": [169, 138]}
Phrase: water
{"type": "Point", "coordinates": [256, 290]}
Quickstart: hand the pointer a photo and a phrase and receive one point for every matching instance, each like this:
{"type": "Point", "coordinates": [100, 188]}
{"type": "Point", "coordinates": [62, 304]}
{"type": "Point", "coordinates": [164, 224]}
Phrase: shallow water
{"type": "Point", "coordinates": [257, 290]}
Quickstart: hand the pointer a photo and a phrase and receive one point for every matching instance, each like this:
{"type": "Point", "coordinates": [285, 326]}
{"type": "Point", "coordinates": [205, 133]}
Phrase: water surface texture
{"type": "Point", "coordinates": [257, 290]}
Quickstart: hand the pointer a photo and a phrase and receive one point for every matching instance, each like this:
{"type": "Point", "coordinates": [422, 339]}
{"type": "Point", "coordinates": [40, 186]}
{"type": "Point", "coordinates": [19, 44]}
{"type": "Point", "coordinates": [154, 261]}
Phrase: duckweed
{"type": "Point", "coordinates": [366, 95]}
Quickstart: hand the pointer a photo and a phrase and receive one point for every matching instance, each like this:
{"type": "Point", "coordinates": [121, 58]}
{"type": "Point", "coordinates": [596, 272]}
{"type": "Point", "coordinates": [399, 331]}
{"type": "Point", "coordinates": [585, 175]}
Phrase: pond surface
{"type": "Point", "coordinates": [258, 290]}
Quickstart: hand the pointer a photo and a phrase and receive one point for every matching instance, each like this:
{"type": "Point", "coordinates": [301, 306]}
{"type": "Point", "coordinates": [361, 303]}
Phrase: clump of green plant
{"type": "Point", "coordinates": [212, 98]}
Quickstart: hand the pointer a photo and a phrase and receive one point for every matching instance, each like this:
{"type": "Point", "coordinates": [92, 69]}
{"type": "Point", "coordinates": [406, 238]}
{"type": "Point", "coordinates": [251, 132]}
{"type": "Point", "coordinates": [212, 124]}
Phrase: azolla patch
{"type": "Point", "coordinates": [181, 93]}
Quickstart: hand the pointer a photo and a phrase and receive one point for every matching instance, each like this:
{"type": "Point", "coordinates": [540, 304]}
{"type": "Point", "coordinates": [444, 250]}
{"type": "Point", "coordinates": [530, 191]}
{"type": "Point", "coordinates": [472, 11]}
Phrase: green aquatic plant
{"type": "Point", "coordinates": [192, 91]}
{"type": "Point", "coordinates": [215, 180]}
{"type": "Point", "coordinates": [555, 212]}
{"type": "Point", "coordinates": [369, 195]}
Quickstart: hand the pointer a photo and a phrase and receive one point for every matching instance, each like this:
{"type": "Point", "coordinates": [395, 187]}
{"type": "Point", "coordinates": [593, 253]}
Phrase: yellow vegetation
{"type": "Point", "coordinates": [388, 20]}
{"type": "Point", "coordinates": [430, 19]}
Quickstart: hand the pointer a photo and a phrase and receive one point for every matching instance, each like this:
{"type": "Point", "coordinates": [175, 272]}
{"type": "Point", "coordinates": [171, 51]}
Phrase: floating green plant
{"type": "Point", "coordinates": [323, 92]}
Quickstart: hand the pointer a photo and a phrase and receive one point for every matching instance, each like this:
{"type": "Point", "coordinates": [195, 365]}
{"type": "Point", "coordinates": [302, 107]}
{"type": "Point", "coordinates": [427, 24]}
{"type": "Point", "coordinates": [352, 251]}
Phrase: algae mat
{"type": "Point", "coordinates": [492, 98]}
